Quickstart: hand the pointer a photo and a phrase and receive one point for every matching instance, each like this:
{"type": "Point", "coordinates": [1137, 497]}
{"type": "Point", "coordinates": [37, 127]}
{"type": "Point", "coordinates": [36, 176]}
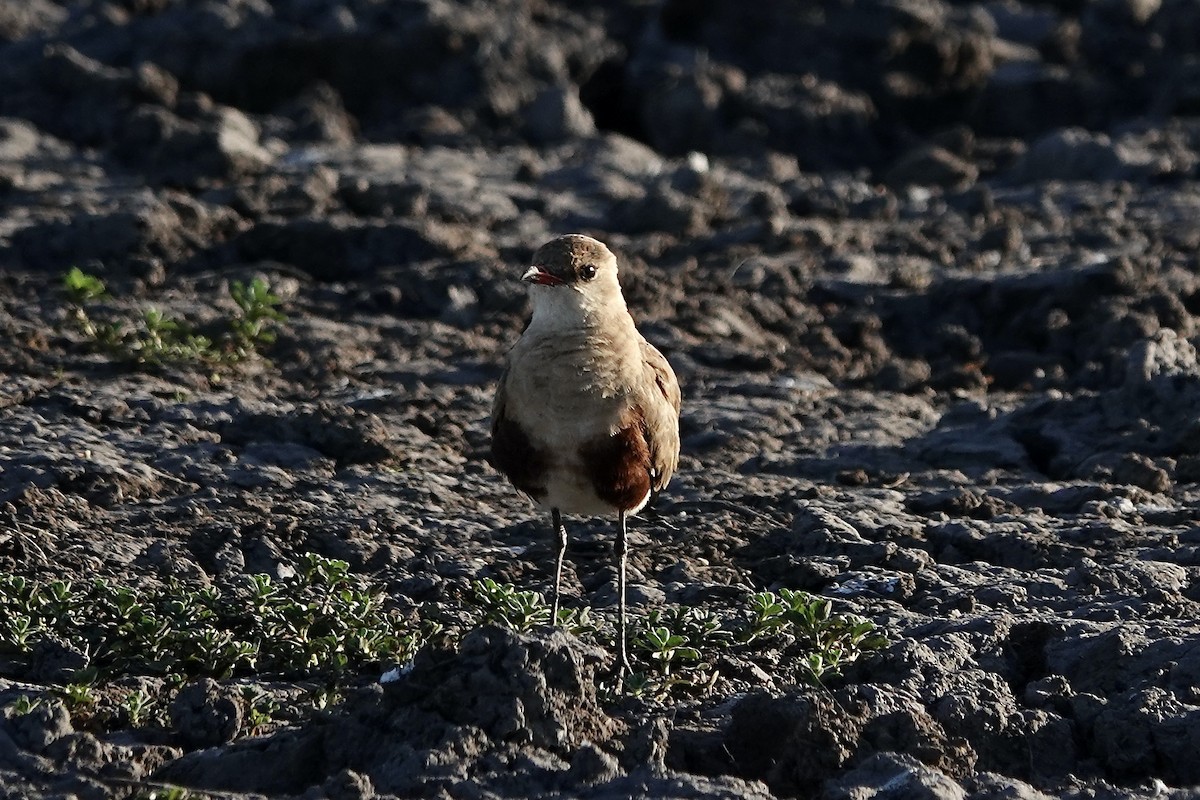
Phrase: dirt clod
{"type": "Point", "coordinates": [926, 272]}
{"type": "Point", "coordinates": [538, 691]}
{"type": "Point", "coordinates": [204, 713]}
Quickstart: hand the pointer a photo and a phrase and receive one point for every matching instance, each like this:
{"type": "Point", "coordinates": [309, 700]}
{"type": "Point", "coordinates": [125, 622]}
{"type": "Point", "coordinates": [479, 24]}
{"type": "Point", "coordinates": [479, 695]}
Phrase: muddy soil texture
{"type": "Point", "coordinates": [927, 272]}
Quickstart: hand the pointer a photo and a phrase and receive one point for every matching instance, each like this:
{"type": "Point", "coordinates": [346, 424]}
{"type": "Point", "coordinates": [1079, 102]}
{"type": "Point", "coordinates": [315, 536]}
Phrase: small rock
{"type": "Point", "coordinates": [320, 116]}
{"type": "Point", "coordinates": [1000, 787]}
{"type": "Point", "coordinates": [931, 166]}
{"type": "Point", "coordinates": [591, 765]}
{"type": "Point", "coordinates": [462, 306]}
{"type": "Point", "coordinates": [536, 690]}
{"type": "Point", "coordinates": [893, 776]}
{"type": "Point", "coordinates": [1070, 154]}
{"type": "Point", "coordinates": [1165, 355]}
{"type": "Point", "coordinates": [793, 742]}
{"type": "Point", "coordinates": [18, 140]}
{"type": "Point", "coordinates": [557, 114]}
{"type": "Point", "coordinates": [205, 713]}
{"type": "Point", "coordinates": [47, 723]}
{"type": "Point", "coordinates": [1187, 468]}
{"type": "Point", "coordinates": [646, 747]}
{"type": "Point", "coordinates": [1005, 237]}
{"type": "Point", "coordinates": [1135, 469]}
{"type": "Point", "coordinates": [1049, 692]}
{"type": "Point", "coordinates": [55, 662]}
{"type": "Point", "coordinates": [903, 374]}
{"type": "Point", "coordinates": [237, 141]}
{"type": "Point", "coordinates": [347, 785]}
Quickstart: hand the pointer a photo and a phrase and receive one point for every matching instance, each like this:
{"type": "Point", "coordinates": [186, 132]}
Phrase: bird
{"type": "Point", "coordinates": [585, 419]}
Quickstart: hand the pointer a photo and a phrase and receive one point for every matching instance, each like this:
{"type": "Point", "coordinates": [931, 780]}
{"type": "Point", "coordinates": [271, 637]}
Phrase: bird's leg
{"type": "Point", "coordinates": [560, 533]}
{"type": "Point", "coordinates": [620, 551]}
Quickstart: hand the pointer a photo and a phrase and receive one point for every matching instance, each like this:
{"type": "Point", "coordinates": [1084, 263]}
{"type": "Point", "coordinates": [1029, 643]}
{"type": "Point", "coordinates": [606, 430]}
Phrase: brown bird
{"type": "Point", "coordinates": [586, 416]}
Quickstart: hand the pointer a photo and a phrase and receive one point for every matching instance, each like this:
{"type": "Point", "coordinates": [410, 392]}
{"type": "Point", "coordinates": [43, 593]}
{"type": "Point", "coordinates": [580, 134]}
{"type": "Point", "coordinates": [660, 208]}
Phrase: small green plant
{"type": "Point", "coordinates": [21, 630]}
{"type": "Point", "coordinates": [703, 628]}
{"type": "Point", "coordinates": [578, 621]}
{"type": "Point", "coordinates": [825, 641]}
{"type": "Point", "coordinates": [24, 705]}
{"type": "Point", "coordinates": [505, 605]}
{"type": "Point", "coordinates": [673, 650]}
{"type": "Point", "coordinates": [156, 338]}
{"type": "Point", "coordinates": [83, 288]}
{"type": "Point", "coordinates": [165, 340]}
{"type": "Point", "coordinates": [261, 707]}
{"type": "Point", "coordinates": [665, 649]}
{"type": "Point", "coordinates": [325, 697]}
{"type": "Point", "coordinates": [77, 696]}
{"type": "Point", "coordinates": [323, 624]}
{"type": "Point", "coordinates": [766, 616]}
{"type": "Point", "coordinates": [138, 706]}
{"type": "Point", "coordinates": [259, 310]}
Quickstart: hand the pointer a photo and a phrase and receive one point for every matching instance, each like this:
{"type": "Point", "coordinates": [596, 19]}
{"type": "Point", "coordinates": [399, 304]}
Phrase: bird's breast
{"type": "Point", "coordinates": [576, 406]}
{"type": "Point", "coordinates": [571, 387]}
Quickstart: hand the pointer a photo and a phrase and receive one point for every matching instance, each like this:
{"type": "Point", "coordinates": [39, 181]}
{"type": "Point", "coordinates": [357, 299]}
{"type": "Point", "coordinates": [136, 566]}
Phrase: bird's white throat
{"type": "Point", "coordinates": [565, 308]}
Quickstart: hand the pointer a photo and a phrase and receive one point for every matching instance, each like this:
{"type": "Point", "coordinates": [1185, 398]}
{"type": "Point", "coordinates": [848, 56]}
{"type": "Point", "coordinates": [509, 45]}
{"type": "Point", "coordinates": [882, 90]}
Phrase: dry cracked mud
{"type": "Point", "coordinates": [927, 272]}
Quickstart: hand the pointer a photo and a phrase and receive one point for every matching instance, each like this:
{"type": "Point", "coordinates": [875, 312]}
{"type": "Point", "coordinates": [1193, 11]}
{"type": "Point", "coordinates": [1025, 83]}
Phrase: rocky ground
{"type": "Point", "coordinates": [927, 272]}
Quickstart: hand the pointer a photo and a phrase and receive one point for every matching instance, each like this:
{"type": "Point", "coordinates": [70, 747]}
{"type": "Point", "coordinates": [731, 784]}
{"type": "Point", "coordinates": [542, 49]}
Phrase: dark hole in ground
{"type": "Point", "coordinates": [1041, 449]}
{"type": "Point", "coordinates": [607, 96]}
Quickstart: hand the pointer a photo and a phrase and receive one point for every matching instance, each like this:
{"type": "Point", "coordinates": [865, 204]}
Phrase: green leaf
{"type": "Point", "coordinates": [82, 287]}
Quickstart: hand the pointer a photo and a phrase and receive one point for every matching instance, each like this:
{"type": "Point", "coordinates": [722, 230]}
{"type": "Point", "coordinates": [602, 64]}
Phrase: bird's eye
{"type": "Point", "coordinates": [588, 272]}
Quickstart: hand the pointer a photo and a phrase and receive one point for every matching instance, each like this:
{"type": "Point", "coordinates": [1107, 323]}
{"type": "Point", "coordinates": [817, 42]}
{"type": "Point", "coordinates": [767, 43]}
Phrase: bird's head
{"type": "Point", "coordinates": [573, 276]}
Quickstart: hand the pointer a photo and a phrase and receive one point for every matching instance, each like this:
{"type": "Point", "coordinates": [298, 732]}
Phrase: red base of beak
{"type": "Point", "coordinates": [541, 277]}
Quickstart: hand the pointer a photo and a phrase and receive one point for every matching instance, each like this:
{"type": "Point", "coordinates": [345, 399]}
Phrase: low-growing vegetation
{"type": "Point", "coordinates": [327, 627]}
{"type": "Point", "coordinates": [323, 625]}
{"type": "Point", "coordinates": [156, 338]}
{"type": "Point", "coordinates": [796, 636]}
{"type": "Point", "coordinates": [323, 620]}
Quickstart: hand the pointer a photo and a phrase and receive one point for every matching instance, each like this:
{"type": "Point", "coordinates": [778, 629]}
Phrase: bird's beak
{"type": "Point", "coordinates": [539, 275]}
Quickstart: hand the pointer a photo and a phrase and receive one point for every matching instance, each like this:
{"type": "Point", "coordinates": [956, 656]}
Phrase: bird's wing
{"type": "Point", "coordinates": [512, 451]}
{"type": "Point", "coordinates": [498, 402]}
{"type": "Point", "coordinates": [661, 412]}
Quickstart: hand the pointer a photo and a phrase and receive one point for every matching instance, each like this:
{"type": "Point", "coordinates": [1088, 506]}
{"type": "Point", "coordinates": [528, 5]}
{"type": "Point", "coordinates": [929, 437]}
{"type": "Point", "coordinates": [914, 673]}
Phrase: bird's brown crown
{"type": "Point", "coordinates": [574, 258]}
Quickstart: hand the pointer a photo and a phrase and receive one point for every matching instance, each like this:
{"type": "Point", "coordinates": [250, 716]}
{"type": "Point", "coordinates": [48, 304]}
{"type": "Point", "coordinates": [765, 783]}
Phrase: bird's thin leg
{"type": "Point", "coordinates": [620, 551]}
{"type": "Point", "coordinates": [560, 533]}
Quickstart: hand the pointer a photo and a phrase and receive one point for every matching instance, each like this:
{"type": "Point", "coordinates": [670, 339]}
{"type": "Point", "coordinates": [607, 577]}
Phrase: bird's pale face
{"type": "Point", "coordinates": [572, 277]}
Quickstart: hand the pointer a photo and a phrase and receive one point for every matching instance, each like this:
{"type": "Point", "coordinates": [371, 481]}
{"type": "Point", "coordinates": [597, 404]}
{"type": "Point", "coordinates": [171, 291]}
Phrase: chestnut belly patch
{"type": "Point", "coordinates": [619, 465]}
